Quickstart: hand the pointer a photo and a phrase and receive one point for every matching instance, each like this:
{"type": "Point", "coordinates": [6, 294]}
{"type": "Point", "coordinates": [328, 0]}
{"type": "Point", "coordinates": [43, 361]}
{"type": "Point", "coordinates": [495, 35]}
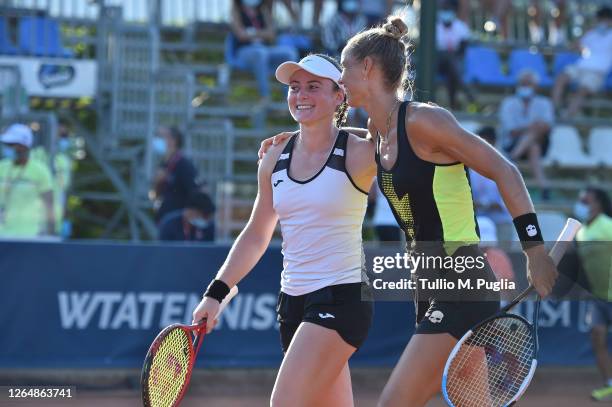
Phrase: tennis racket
{"type": "Point", "coordinates": [170, 360]}
{"type": "Point", "coordinates": [493, 363]}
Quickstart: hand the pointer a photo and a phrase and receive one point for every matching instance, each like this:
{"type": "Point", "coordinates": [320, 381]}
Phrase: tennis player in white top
{"type": "Point", "coordinates": [316, 184]}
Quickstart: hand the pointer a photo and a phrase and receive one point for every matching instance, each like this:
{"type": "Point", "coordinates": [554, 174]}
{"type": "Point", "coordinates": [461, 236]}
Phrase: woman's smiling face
{"type": "Point", "coordinates": [312, 98]}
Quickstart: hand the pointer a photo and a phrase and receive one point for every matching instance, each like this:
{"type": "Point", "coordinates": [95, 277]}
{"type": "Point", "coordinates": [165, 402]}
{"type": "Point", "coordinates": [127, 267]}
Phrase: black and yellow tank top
{"type": "Point", "coordinates": [431, 202]}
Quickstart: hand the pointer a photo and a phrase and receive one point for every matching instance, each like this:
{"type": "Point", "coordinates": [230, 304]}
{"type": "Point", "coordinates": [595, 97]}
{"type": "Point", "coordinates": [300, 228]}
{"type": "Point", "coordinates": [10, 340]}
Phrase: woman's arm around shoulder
{"type": "Point", "coordinates": [360, 163]}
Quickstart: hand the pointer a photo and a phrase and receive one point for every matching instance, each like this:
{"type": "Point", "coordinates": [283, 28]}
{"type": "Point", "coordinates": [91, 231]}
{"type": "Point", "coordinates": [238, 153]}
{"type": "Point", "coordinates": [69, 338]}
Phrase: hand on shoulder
{"type": "Point", "coordinates": [269, 159]}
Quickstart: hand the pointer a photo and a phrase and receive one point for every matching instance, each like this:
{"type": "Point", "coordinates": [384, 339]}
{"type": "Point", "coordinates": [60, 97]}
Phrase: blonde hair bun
{"type": "Point", "coordinates": [395, 27]}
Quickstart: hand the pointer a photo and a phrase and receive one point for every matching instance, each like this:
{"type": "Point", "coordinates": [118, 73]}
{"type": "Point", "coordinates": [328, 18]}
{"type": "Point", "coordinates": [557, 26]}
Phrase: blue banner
{"type": "Point", "coordinates": [100, 305]}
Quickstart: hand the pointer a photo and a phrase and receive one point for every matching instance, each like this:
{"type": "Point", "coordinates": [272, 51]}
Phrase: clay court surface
{"type": "Point", "coordinates": [552, 387]}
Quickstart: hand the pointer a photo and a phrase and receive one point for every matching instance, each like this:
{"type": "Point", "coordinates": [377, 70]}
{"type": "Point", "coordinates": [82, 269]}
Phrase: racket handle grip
{"type": "Point", "coordinates": [564, 240]}
{"type": "Point", "coordinates": [232, 293]}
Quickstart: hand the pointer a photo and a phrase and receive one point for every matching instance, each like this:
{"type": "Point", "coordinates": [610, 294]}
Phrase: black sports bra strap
{"type": "Point", "coordinates": [404, 147]}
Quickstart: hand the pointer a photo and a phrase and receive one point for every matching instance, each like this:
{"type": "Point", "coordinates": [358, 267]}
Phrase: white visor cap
{"type": "Point", "coordinates": [313, 64]}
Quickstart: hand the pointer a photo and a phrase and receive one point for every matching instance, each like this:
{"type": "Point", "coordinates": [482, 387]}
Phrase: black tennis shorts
{"type": "Point", "coordinates": [455, 318]}
{"type": "Point", "coordinates": [346, 308]}
{"type": "Point", "coordinates": [457, 311]}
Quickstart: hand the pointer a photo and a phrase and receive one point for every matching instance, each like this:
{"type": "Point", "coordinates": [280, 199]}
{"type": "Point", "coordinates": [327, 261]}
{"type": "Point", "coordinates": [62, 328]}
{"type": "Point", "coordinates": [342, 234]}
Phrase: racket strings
{"type": "Point", "coordinates": [490, 367]}
{"type": "Point", "coordinates": [169, 368]}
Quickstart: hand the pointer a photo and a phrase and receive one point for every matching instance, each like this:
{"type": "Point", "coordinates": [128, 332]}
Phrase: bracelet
{"type": "Point", "coordinates": [217, 289]}
{"type": "Point", "coordinates": [528, 230]}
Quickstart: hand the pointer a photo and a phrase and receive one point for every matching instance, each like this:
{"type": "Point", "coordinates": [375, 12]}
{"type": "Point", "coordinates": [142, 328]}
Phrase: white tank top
{"type": "Point", "coordinates": [321, 221]}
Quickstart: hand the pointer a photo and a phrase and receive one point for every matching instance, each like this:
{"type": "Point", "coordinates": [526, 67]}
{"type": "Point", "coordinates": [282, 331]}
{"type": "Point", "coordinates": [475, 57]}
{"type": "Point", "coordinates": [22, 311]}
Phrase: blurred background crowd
{"type": "Point", "coordinates": [141, 120]}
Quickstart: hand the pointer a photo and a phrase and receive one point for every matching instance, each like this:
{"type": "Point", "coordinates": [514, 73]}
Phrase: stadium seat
{"type": "Point", "coordinates": [600, 145]}
{"type": "Point", "coordinates": [566, 149]}
{"type": "Point", "coordinates": [563, 59]}
{"type": "Point", "coordinates": [609, 81]}
{"type": "Point", "coordinates": [41, 37]}
{"type": "Point", "coordinates": [524, 59]}
{"type": "Point", "coordinates": [6, 46]}
{"type": "Point", "coordinates": [551, 224]}
{"type": "Point", "coordinates": [230, 53]}
{"type": "Point", "coordinates": [483, 66]}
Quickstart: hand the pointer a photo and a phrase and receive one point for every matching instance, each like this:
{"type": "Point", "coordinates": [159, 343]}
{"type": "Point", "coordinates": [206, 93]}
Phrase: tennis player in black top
{"type": "Point", "coordinates": [422, 156]}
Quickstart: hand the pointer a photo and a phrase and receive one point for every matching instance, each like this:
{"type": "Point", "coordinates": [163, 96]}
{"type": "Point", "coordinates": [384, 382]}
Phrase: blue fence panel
{"type": "Point", "coordinates": [100, 305]}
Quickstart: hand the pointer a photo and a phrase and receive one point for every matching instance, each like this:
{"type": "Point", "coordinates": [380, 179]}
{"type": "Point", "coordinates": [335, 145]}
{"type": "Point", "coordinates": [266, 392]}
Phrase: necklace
{"type": "Point", "coordinates": [386, 138]}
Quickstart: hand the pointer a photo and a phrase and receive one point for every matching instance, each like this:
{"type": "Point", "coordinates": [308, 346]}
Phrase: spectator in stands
{"type": "Point", "coordinates": [594, 246]}
{"type": "Point", "coordinates": [26, 191]}
{"type": "Point", "coordinates": [556, 29]}
{"type": "Point", "coordinates": [254, 34]}
{"type": "Point", "coordinates": [62, 170]}
{"type": "Point", "coordinates": [385, 225]}
{"type": "Point", "coordinates": [497, 11]}
{"type": "Point", "coordinates": [488, 202]}
{"type": "Point", "coordinates": [590, 71]}
{"type": "Point", "coordinates": [296, 12]}
{"type": "Point", "coordinates": [59, 161]}
{"type": "Point", "coordinates": [193, 223]}
{"type": "Point", "coordinates": [347, 22]}
{"type": "Point", "coordinates": [452, 36]}
{"type": "Point", "coordinates": [526, 120]}
{"type": "Point", "coordinates": [176, 177]}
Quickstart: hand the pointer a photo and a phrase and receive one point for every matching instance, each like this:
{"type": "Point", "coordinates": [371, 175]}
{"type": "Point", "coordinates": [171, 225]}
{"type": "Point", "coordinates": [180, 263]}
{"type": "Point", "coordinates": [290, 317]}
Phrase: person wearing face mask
{"type": "Point", "coordinates": [590, 71]}
{"type": "Point", "coordinates": [526, 119]}
{"type": "Point", "coordinates": [452, 36]}
{"type": "Point", "coordinates": [594, 242]}
{"type": "Point", "coordinates": [253, 35]}
{"type": "Point", "coordinates": [176, 177]}
{"type": "Point", "coordinates": [347, 22]}
{"type": "Point", "coordinates": [26, 188]}
{"type": "Point", "coordinates": [59, 160]}
{"type": "Point", "coordinates": [193, 223]}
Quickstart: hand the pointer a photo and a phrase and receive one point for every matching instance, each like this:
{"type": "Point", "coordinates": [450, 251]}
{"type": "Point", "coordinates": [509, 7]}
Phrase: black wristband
{"type": "Point", "coordinates": [217, 290]}
{"type": "Point", "coordinates": [528, 230]}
